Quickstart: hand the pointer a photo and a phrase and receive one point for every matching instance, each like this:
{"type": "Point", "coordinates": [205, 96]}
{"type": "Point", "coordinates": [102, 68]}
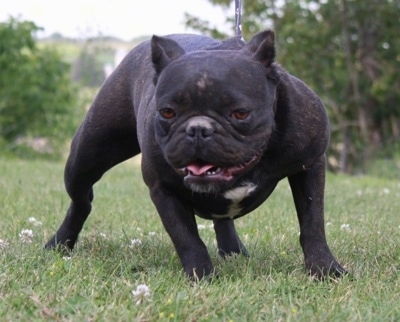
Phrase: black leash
{"type": "Point", "coordinates": [238, 18]}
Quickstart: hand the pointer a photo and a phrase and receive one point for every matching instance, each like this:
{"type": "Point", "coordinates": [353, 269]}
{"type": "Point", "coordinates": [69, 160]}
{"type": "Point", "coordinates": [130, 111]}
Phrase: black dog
{"type": "Point", "coordinates": [218, 124]}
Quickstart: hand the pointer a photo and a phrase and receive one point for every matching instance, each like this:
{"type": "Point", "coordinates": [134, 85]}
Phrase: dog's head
{"type": "Point", "coordinates": [214, 109]}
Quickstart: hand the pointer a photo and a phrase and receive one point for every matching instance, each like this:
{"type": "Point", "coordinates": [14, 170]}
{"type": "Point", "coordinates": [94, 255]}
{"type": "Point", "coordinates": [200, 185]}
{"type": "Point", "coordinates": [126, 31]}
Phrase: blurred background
{"type": "Point", "coordinates": [55, 55]}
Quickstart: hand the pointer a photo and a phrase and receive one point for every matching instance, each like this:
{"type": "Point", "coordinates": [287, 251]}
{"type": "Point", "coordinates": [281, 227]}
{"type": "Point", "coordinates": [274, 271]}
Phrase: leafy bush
{"type": "Point", "coordinates": [37, 99]}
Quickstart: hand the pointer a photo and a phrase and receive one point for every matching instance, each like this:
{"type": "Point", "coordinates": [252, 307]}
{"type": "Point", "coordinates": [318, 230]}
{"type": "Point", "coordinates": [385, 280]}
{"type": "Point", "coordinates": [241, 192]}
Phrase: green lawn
{"type": "Point", "coordinates": [124, 245]}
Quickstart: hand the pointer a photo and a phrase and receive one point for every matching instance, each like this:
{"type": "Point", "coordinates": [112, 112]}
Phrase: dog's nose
{"type": "Point", "coordinates": [199, 127]}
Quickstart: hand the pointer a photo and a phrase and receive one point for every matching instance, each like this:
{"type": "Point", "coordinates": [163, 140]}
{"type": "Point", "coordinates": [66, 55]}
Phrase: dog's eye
{"type": "Point", "coordinates": [167, 113]}
{"type": "Point", "coordinates": [240, 114]}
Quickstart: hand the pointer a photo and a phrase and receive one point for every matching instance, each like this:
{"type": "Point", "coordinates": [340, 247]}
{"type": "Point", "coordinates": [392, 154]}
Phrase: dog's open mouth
{"type": "Point", "coordinates": [203, 170]}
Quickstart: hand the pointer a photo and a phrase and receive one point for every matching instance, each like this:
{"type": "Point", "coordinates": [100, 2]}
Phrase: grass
{"type": "Point", "coordinates": [95, 281]}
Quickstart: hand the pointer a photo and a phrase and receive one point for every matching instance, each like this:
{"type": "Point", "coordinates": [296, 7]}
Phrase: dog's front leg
{"type": "Point", "coordinates": [308, 193]}
{"type": "Point", "coordinates": [180, 223]}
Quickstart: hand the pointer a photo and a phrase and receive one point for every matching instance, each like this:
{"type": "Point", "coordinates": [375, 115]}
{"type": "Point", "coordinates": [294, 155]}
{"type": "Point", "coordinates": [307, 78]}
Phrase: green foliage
{"type": "Point", "coordinates": [203, 26]}
{"type": "Point", "coordinates": [36, 94]}
{"type": "Point", "coordinates": [96, 280]}
{"type": "Point", "coordinates": [347, 51]}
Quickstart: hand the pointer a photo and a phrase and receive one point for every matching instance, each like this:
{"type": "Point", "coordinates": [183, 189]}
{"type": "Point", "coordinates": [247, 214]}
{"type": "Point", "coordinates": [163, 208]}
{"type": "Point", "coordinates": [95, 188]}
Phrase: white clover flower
{"type": "Point", "coordinates": [102, 235]}
{"type": "Point", "coordinates": [135, 243]}
{"type": "Point", "coordinates": [26, 236]}
{"type": "Point", "coordinates": [34, 221]}
{"type": "Point", "coordinates": [345, 227]}
{"type": "Point", "coordinates": [386, 191]}
{"type": "Point", "coordinates": [66, 258]}
{"type": "Point", "coordinates": [3, 244]}
{"type": "Point", "coordinates": [141, 293]}
{"type": "Point", "coordinates": [152, 233]}
{"type": "Point", "coordinates": [200, 227]}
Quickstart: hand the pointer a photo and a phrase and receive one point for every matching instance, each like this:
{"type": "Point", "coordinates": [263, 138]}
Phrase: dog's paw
{"type": "Point", "coordinates": [323, 272]}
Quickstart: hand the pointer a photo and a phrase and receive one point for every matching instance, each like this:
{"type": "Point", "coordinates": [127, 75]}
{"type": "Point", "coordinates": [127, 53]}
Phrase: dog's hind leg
{"type": "Point", "coordinates": [106, 138]}
{"type": "Point", "coordinates": [308, 193]}
{"type": "Point", "coordinates": [227, 238]}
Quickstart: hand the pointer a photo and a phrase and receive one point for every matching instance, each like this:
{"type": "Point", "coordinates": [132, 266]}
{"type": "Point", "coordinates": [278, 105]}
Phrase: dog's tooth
{"type": "Point", "coordinates": [213, 172]}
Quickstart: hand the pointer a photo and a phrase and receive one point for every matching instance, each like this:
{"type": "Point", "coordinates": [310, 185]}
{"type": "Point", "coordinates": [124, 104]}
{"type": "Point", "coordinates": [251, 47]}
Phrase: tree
{"type": "Point", "coordinates": [347, 51]}
{"type": "Point", "coordinates": [88, 69]}
{"type": "Point", "coordinates": [36, 95]}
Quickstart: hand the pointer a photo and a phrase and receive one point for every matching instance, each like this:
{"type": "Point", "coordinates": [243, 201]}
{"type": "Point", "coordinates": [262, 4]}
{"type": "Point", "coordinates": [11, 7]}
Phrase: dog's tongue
{"type": "Point", "coordinates": [199, 170]}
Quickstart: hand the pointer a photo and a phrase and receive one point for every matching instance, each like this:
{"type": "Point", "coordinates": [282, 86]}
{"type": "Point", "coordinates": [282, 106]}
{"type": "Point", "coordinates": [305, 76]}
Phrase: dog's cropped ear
{"type": "Point", "coordinates": [163, 51]}
{"type": "Point", "coordinates": [262, 47]}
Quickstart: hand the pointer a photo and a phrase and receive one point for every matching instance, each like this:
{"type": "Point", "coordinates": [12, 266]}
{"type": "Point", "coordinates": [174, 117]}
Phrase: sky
{"type": "Point", "coordinates": [125, 19]}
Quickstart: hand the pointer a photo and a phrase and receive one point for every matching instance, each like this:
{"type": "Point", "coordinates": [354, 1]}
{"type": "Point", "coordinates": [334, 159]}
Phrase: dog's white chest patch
{"type": "Point", "coordinates": [236, 195]}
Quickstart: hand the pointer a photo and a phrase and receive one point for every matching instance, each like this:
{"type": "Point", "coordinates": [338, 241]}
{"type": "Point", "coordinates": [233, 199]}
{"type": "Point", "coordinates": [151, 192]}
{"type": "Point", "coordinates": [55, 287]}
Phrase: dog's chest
{"type": "Point", "coordinates": [234, 202]}
{"type": "Point", "coordinates": [235, 196]}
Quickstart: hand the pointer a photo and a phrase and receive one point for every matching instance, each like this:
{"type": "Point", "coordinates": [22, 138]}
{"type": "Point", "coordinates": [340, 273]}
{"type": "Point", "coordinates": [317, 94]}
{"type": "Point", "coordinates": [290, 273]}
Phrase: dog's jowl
{"type": "Point", "coordinates": [218, 124]}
